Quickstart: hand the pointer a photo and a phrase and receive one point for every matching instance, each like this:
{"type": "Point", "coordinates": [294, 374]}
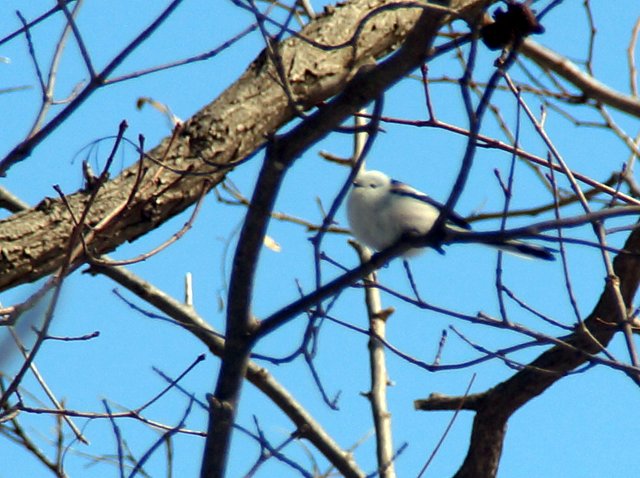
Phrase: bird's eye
{"type": "Point", "coordinates": [373, 185]}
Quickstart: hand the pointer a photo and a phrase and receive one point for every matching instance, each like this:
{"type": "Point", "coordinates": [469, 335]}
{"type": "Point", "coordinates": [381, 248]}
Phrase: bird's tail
{"type": "Point", "coordinates": [525, 249]}
{"type": "Point", "coordinates": [516, 247]}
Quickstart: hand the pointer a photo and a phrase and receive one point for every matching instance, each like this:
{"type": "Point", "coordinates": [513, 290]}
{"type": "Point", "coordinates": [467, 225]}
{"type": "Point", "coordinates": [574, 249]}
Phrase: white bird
{"type": "Point", "coordinates": [381, 210]}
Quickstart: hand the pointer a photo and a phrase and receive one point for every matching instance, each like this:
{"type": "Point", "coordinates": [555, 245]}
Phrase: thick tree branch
{"type": "Point", "coordinates": [231, 128]}
{"type": "Point", "coordinates": [213, 141]}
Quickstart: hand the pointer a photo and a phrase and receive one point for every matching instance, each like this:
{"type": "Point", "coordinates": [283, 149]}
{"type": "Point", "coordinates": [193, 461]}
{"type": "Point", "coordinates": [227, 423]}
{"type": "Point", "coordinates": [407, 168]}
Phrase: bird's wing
{"type": "Point", "coordinates": [402, 189]}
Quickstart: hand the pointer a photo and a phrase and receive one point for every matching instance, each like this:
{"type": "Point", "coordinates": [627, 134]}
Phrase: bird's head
{"type": "Point", "coordinates": [371, 184]}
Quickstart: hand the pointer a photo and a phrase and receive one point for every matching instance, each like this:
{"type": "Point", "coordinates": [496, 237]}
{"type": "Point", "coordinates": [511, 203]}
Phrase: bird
{"type": "Point", "coordinates": [381, 210]}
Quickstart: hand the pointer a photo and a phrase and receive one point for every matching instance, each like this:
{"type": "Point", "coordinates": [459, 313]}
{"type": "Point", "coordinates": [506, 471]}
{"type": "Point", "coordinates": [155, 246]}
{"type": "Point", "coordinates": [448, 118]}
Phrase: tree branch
{"type": "Point", "coordinates": [378, 366]}
{"type": "Point", "coordinates": [495, 406]}
{"type": "Point", "coordinates": [186, 317]}
{"type": "Point", "coordinates": [590, 87]}
{"type": "Point", "coordinates": [216, 139]}
{"type": "Point", "coordinates": [368, 84]}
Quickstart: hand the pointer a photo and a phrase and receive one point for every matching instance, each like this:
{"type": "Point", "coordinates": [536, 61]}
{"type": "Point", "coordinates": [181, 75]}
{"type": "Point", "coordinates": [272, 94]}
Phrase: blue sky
{"type": "Point", "coordinates": [575, 429]}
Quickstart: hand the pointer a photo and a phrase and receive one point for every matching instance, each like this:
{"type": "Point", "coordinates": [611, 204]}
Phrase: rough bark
{"type": "Point", "coordinates": [212, 142]}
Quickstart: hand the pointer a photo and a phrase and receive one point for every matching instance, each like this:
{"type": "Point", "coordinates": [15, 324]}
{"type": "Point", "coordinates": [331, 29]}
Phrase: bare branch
{"type": "Point", "coordinates": [242, 330]}
{"type": "Point", "coordinates": [220, 136]}
{"type": "Point", "coordinates": [590, 87]}
{"type": "Point", "coordinates": [378, 366]}
{"type": "Point", "coordinates": [307, 426]}
{"type": "Point", "coordinates": [494, 407]}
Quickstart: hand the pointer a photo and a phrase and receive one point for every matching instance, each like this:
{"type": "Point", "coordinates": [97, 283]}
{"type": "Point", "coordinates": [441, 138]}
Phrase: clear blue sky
{"type": "Point", "coordinates": [579, 428]}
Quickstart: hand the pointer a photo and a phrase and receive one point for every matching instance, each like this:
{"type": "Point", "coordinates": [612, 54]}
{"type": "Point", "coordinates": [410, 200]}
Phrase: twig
{"type": "Point", "coordinates": [590, 87]}
{"type": "Point", "coordinates": [175, 237]}
{"type": "Point", "coordinates": [11, 202]}
{"type": "Point", "coordinates": [563, 252]}
{"type": "Point", "coordinates": [592, 36]}
{"type": "Point", "coordinates": [631, 58]}
{"type": "Point", "coordinates": [240, 200]}
{"type": "Point", "coordinates": [258, 376]}
{"type": "Point", "coordinates": [160, 440]}
{"type": "Point", "coordinates": [447, 429]}
{"type": "Point", "coordinates": [486, 141]}
{"type": "Point", "coordinates": [84, 52]}
{"type": "Point", "coordinates": [378, 370]}
{"type": "Point", "coordinates": [172, 384]}
{"type": "Point", "coordinates": [186, 61]}
{"type": "Point", "coordinates": [36, 373]}
{"type": "Point", "coordinates": [21, 151]}
{"type": "Point", "coordinates": [118, 436]}
{"type": "Point", "coordinates": [32, 53]}
{"type": "Point", "coordinates": [269, 451]}
{"type": "Point", "coordinates": [507, 190]}
{"type": "Point", "coordinates": [33, 23]}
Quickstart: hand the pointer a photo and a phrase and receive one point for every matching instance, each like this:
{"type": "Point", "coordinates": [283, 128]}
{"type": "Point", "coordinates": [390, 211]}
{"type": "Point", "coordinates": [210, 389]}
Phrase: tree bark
{"type": "Point", "coordinates": [215, 140]}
